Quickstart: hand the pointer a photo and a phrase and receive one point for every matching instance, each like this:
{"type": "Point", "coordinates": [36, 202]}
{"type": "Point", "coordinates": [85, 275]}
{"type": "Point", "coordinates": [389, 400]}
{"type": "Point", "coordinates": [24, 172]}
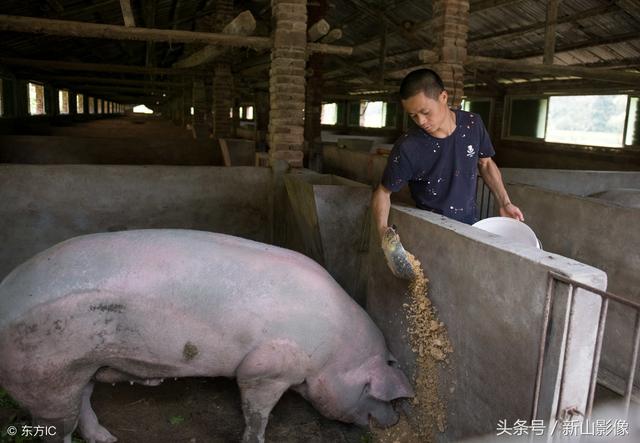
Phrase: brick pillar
{"type": "Point", "coordinates": [287, 81]}
{"type": "Point", "coordinates": [451, 26]}
{"type": "Point", "coordinates": [222, 77]}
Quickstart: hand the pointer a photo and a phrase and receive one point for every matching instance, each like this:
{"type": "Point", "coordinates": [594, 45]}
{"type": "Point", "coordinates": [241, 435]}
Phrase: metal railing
{"type": "Point", "coordinates": [606, 298]}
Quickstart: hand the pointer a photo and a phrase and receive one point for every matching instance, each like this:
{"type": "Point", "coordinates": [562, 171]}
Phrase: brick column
{"type": "Point", "coordinates": [451, 26]}
{"type": "Point", "coordinates": [287, 81]}
{"type": "Point", "coordinates": [222, 77]}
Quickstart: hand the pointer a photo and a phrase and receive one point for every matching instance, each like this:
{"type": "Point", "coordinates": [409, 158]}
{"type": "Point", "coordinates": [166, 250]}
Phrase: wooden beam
{"type": "Point", "coordinates": [506, 65]}
{"type": "Point", "coordinates": [318, 30]}
{"type": "Point", "coordinates": [127, 13]}
{"type": "Point", "coordinates": [523, 30]}
{"type": "Point", "coordinates": [550, 31]}
{"type": "Point", "coordinates": [56, 6]}
{"type": "Point", "coordinates": [481, 5]}
{"type": "Point", "coordinates": [243, 24]}
{"type": "Point", "coordinates": [333, 36]}
{"type": "Point", "coordinates": [609, 40]}
{"type": "Point", "coordinates": [115, 32]}
{"type": "Point", "coordinates": [104, 81]}
{"type": "Point", "coordinates": [92, 67]}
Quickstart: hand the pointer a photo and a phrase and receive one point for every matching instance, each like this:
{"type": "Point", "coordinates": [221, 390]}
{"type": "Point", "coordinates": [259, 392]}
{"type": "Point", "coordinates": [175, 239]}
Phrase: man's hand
{"type": "Point", "coordinates": [512, 211]}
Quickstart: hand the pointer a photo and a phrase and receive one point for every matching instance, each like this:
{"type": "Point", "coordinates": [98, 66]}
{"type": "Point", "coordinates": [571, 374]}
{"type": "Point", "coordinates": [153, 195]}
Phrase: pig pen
{"type": "Point", "coordinates": [45, 204]}
{"type": "Point", "coordinates": [489, 378]}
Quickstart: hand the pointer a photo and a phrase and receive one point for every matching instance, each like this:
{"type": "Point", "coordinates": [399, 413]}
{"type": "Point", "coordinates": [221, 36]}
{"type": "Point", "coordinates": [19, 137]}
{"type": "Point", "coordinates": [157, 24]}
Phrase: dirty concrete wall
{"type": "Point", "coordinates": [490, 295]}
{"type": "Point", "coordinates": [332, 217]}
{"type": "Point", "coordinates": [49, 149]}
{"type": "Point", "coordinates": [572, 182]}
{"type": "Point", "coordinates": [45, 204]}
{"type": "Point", "coordinates": [359, 166]}
{"type": "Point", "coordinates": [599, 233]}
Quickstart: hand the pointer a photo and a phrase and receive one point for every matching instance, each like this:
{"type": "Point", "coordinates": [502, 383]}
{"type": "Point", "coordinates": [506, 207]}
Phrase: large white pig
{"type": "Point", "coordinates": [144, 305]}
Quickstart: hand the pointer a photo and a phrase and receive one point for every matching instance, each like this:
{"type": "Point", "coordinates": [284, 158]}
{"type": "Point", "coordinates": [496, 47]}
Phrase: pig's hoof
{"type": "Point", "coordinates": [98, 434]}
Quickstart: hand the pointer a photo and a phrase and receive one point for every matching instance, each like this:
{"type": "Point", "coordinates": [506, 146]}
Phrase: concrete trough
{"type": "Point", "coordinates": [332, 215]}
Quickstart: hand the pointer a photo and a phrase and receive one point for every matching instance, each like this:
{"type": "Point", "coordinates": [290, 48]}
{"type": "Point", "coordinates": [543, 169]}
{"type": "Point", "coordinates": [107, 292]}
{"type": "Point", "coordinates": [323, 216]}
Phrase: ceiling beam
{"type": "Point", "coordinates": [523, 30]}
{"type": "Point", "coordinates": [506, 65]}
{"type": "Point", "coordinates": [127, 13]}
{"type": "Point", "coordinates": [93, 67]}
{"type": "Point", "coordinates": [481, 5]}
{"type": "Point", "coordinates": [608, 40]}
{"type": "Point", "coordinates": [115, 32]}
{"type": "Point", "coordinates": [243, 24]}
{"type": "Point", "coordinates": [105, 81]}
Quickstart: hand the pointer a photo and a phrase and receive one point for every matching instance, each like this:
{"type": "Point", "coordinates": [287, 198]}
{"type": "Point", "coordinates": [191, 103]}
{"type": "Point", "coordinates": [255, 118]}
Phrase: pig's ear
{"type": "Point", "coordinates": [388, 383]}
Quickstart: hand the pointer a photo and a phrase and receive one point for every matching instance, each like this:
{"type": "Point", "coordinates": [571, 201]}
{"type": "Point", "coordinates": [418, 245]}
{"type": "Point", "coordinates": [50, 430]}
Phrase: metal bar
{"type": "Point", "coordinates": [605, 294]}
{"type": "Point", "coordinates": [565, 345]}
{"type": "Point", "coordinates": [596, 357]}
{"type": "Point", "coordinates": [542, 347]}
{"type": "Point", "coordinates": [634, 362]}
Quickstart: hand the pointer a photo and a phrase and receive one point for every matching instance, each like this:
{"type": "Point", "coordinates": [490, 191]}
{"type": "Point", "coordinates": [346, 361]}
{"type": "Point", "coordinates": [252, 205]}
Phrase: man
{"type": "Point", "coordinates": [440, 158]}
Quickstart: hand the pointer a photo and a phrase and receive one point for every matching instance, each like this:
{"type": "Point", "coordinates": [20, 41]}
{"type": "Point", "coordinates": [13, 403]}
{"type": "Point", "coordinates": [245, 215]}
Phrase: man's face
{"type": "Point", "coordinates": [426, 112]}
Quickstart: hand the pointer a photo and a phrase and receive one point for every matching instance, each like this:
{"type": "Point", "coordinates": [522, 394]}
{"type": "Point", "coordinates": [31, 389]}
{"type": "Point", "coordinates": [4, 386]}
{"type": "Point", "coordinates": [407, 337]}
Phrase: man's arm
{"type": "Point", "coordinates": [492, 177]}
{"type": "Point", "coordinates": [380, 206]}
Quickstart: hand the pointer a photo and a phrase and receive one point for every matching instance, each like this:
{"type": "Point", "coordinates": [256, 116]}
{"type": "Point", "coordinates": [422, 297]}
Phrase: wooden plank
{"type": "Point", "coordinates": [127, 13]}
{"type": "Point", "coordinates": [550, 31]}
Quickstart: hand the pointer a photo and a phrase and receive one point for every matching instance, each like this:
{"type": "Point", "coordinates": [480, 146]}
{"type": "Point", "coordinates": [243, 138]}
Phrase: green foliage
{"type": "Point", "coordinates": [6, 401]}
{"type": "Point", "coordinates": [176, 420]}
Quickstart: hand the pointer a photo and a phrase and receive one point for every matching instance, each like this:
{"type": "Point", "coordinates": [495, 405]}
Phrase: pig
{"type": "Point", "coordinates": [144, 305]}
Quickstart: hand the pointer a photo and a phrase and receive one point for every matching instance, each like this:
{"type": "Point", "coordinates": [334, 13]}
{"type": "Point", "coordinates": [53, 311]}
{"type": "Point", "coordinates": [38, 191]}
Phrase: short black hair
{"type": "Point", "coordinates": [421, 80]}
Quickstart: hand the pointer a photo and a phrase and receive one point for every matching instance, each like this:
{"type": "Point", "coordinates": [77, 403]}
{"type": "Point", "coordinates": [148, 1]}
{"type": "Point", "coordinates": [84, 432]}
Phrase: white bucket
{"type": "Point", "coordinates": [510, 228]}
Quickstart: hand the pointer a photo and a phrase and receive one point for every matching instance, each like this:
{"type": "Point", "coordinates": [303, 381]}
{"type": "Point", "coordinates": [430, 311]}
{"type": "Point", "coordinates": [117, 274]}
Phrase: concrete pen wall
{"type": "Point", "coordinates": [45, 204]}
{"type": "Point", "coordinates": [571, 181]}
{"type": "Point", "coordinates": [602, 234]}
{"type": "Point", "coordinates": [490, 294]}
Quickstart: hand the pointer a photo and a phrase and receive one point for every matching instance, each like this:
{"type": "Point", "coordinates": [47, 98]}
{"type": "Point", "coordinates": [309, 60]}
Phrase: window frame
{"type": "Point", "coordinates": [44, 98]}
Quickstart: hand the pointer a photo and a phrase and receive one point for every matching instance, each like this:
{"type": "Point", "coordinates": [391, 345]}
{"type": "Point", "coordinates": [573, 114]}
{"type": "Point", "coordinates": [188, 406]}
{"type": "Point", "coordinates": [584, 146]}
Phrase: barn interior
{"type": "Point", "coordinates": [273, 121]}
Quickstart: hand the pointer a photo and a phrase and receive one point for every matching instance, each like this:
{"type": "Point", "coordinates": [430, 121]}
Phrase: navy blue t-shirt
{"type": "Point", "coordinates": [441, 172]}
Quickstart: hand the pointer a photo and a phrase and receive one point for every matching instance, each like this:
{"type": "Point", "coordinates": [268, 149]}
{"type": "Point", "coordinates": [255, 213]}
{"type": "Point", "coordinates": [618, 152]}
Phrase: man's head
{"type": "Point", "coordinates": [425, 100]}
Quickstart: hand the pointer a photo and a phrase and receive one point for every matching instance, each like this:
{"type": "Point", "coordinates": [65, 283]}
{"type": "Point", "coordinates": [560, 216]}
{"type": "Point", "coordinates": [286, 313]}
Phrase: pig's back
{"type": "Point", "coordinates": [212, 277]}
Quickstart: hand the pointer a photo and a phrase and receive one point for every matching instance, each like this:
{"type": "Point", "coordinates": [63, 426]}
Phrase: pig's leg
{"type": "Point", "coordinates": [263, 376]}
{"type": "Point", "coordinates": [90, 429]}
